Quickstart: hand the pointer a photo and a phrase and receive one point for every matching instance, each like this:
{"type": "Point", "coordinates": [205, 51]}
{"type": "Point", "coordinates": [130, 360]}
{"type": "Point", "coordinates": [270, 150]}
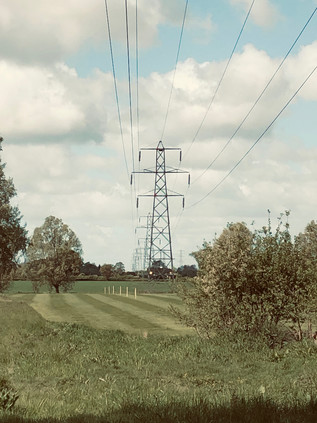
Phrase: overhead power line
{"type": "Point", "coordinates": [258, 99]}
{"type": "Point", "coordinates": [256, 142]}
{"type": "Point", "coordinates": [116, 88]}
{"type": "Point", "coordinates": [221, 79]}
{"type": "Point", "coordinates": [176, 63]}
{"type": "Point", "coordinates": [137, 71]}
{"type": "Point", "coordinates": [129, 79]}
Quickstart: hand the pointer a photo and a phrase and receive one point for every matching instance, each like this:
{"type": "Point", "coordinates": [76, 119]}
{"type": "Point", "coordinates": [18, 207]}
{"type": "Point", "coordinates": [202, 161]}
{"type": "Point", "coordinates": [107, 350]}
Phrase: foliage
{"type": "Point", "coordinates": [54, 255]}
{"type": "Point", "coordinates": [90, 269]}
{"type": "Point", "coordinates": [253, 282]}
{"type": "Point", "coordinates": [13, 236]}
{"type": "Point", "coordinates": [119, 268]}
{"type": "Point", "coordinates": [106, 270]}
{"type": "Point", "coordinates": [187, 271]}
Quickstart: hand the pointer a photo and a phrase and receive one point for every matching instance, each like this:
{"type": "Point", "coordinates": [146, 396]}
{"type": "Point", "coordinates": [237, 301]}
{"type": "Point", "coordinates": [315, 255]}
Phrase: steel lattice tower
{"type": "Point", "coordinates": [160, 251]}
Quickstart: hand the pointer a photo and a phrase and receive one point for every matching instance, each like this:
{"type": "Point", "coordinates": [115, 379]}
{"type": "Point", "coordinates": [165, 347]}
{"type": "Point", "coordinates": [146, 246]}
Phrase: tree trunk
{"type": "Point", "coordinates": [56, 288]}
{"type": "Point", "coordinates": [309, 329]}
{"type": "Point", "coordinates": [300, 331]}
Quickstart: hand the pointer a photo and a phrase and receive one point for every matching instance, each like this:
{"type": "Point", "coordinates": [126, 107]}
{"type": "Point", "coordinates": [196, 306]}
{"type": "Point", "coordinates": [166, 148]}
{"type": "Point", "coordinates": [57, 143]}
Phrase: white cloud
{"type": "Point", "coordinates": [62, 140]}
{"type": "Point", "coordinates": [264, 13]}
{"type": "Point", "coordinates": [46, 32]}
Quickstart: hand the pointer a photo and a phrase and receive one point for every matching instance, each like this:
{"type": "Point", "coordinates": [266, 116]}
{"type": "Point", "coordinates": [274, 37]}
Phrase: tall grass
{"type": "Point", "coordinates": [73, 373]}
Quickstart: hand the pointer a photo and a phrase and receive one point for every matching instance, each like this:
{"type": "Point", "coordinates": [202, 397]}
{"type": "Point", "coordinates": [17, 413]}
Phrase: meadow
{"type": "Point", "coordinates": [94, 287]}
{"type": "Point", "coordinates": [67, 369]}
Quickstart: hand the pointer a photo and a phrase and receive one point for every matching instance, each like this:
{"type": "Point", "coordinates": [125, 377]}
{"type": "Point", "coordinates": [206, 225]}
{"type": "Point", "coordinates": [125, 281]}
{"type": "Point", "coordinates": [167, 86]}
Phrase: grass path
{"type": "Point", "coordinates": [145, 314]}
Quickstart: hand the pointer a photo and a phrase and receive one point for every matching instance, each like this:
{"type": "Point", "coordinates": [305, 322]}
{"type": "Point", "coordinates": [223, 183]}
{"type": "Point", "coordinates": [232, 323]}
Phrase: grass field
{"type": "Point", "coordinates": [67, 372]}
{"type": "Point", "coordinates": [145, 314]}
{"type": "Point", "coordinates": [95, 287]}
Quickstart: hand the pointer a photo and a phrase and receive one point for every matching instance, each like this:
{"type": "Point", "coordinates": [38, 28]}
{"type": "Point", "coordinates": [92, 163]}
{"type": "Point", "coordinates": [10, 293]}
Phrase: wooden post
{"type": "Point", "coordinates": [109, 290]}
{"type": "Point", "coordinates": [120, 291]}
{"type": "Point", "coordinates": [127, 291]}
{"type": "Point", "coordinates": [135, 293]}
{"type": "Point", "coordinates": [105, 290]}
{"type": "Point", "coordinates": [113, 290]}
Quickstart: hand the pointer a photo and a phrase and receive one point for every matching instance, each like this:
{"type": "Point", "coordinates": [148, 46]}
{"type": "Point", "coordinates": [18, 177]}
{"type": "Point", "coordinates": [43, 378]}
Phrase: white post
{"type": "Point", "coordinates": [113, 290]}
{"type": "Point", "coordinates": [127, 291]}
{"type": "Point", "coordinates": [105, 290]}
{"type": "Point", "coordinates": [135, 293]}
{"type": "Point", "coordinates": [120, 291]}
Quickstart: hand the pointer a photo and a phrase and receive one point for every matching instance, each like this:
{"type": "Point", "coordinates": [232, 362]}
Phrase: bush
{"type": "Point", "coordinates": [253, 282]}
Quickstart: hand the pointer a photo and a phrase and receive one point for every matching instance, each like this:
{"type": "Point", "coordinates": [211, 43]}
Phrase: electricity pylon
{"type": "Point", "coordinates": [147, 238]}
{"type": "Point", "coordinates": [160, 253]}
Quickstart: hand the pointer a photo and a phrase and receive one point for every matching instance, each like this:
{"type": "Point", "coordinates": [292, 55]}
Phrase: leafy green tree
{"type": "Point", "coordinates": [187, 271]}
{"type": "Point", "coordinates": [118, 268]}
{"type": "Point", "coordinates": [106, 270]}
{"type": "Point", "coordinates": [253, 282]}
{"type": "Point", "coordinates": [13, 236]}
{"type": "Point", "coordinates": [90, 269]}
{"type": "Point", "coordinates": [54, 255]}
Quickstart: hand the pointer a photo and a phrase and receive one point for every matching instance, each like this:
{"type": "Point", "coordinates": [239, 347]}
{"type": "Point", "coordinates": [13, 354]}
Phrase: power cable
{"type": "Point", "coordinates": [221, 79]}
{"type": "Point", "coordinates": [255, 143]}
{"type": "Point", "coordinates": [116, 88]}
{"type": "Point", "coordinates": [137, 72]}
{"type": "Point", "coordinates": [258, 99]}
{"type": "Point", "coordinates": [176, 63]}
{"type": "Point", "coordinates": [129, 79]}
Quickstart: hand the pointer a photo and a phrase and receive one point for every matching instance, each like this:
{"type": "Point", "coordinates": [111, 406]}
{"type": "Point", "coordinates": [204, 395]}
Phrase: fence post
{"type": "Point", "coordinates": [135, 293]}
{"type": "Point", "coordinates": [127, 291]}
{"type": "Point", "coordinates": [113, 290]}
{"type": "Point", "coordinates": [120, 291]}
{"type": "Point", "coordinates": [105, 290]}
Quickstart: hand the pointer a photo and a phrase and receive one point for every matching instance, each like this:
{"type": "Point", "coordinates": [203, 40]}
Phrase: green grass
{"type": "Point", "coordinates": [145, 314]}
{"type": "Point", "coordinates": [95, 287]}
{"type": "Point", "coordinates": [66, 372]}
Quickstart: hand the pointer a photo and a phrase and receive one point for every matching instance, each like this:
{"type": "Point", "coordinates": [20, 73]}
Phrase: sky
{"type": "Point", "coordinates": [62, 141]}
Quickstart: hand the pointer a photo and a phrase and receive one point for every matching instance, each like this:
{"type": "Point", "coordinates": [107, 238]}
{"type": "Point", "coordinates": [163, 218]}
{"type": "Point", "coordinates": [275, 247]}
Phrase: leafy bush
{"type": "Point", "coordinates": [253, 282]}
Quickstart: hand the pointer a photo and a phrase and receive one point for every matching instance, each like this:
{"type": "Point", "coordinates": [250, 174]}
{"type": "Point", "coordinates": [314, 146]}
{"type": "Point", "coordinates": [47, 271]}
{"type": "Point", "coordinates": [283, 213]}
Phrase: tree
{"type": "Point", "coordinates": [187, 271]}
{"type": "Point", "coordinates": [54, 255]}
{"type": "Point", "coordinates": [90, 269]}
{"type": "Point", "coordinates": [106, 270]}
{"type": "Point", "coordinates": [253, 282]}
{"type": "Point", "coordinates": [118, 268]}
{"type": "Point", "coordinates": [13, 236]}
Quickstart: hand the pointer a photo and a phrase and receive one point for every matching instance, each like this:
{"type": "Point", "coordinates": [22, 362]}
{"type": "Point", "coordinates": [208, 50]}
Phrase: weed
{"type": "Point", "coordinates": [8, 396]}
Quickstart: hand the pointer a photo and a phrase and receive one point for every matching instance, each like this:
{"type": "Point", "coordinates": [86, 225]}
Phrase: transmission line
{"type": "Point", "coordinates": [176, 63]}
{"type": "Point", "coordinates": [115, 87]}
{"type": "Point", "coordinates": [221, 79]}
{"type": "Point", "coordinates": [258, 99]}
{"type": "Point", "coordinates": [137, 72]}
{"type": "Point", "coordinates": [129, 79]}
{"type": "Point", "coordinates": [256, 142]}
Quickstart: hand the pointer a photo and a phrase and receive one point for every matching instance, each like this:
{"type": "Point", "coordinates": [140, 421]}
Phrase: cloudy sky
{"type": "Point", "coordinates": [63, 144]}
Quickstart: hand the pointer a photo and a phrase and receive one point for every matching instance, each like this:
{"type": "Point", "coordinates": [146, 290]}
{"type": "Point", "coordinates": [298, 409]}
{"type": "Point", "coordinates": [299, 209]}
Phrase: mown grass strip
{"type": "Point", "coordinates": [28, 298]}
{"type": "Point", "coordinates": [161, 301]}
{"type": "Point", "coordinates": [152, 315]}
{"type": "Point", "coordinates": [121, 314]}
{"type": "Point", "coordinates": [42, 304]}
{"type": "Point", "coordinates": [94, 316]}
{"type": "Point", "coordinates": [53, 308]}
